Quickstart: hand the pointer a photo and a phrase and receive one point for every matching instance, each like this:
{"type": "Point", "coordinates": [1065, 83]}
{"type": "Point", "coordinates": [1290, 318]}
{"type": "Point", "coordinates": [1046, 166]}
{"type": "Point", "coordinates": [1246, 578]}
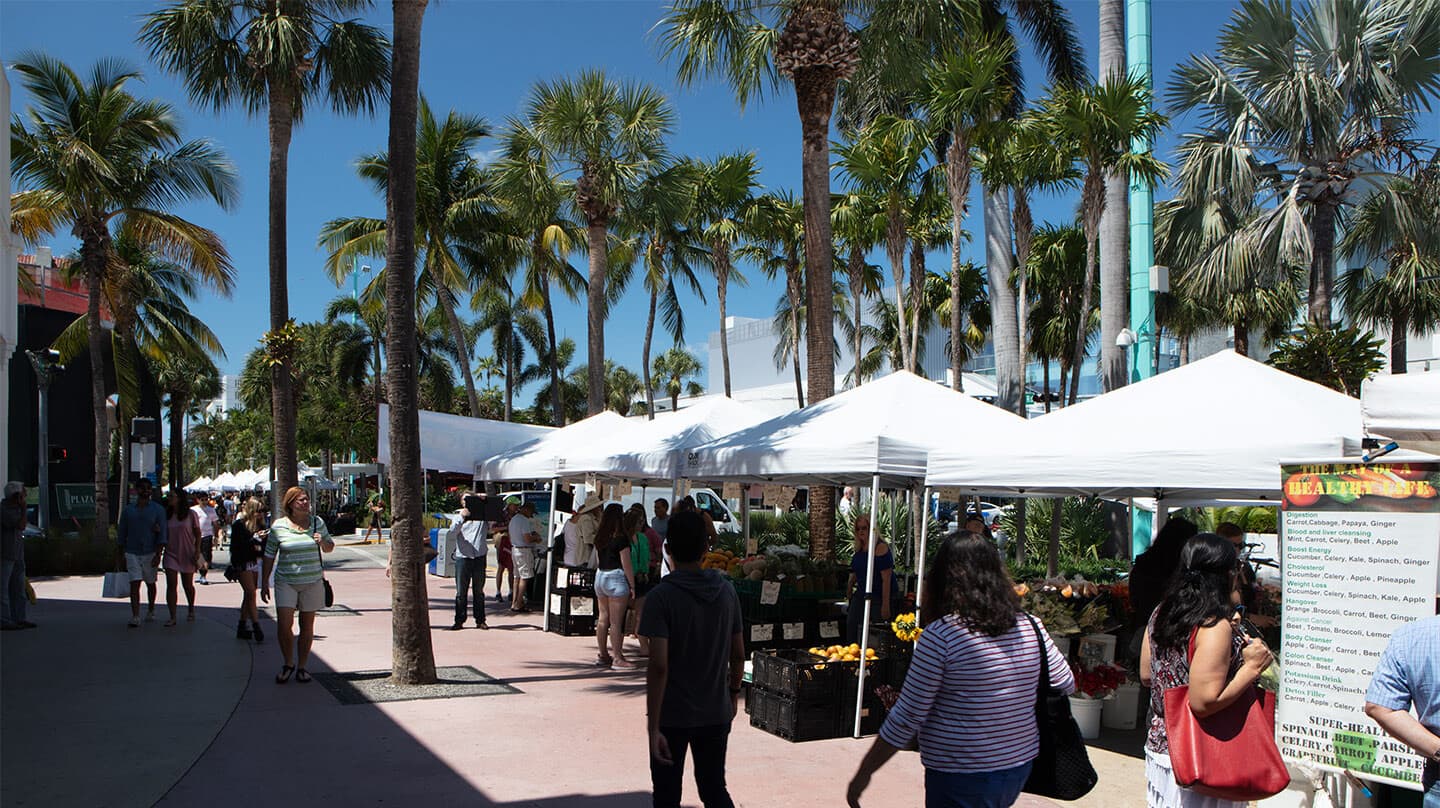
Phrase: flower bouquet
{"type": "Point", "coordinates": [906, 627]}
{"type": "Point", "coordinates": [1099, 682]}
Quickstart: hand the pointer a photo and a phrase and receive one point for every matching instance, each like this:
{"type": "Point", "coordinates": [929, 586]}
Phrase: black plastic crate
{"type": "Point", "coordinates": [800, 721]}
{"type": "Point", "coordinates": [794, 674]}
{"type": "Point", "coordinates": [572, 578]}
{"type": "Point", "coordinates": [573, 625]}
{"type": "Point", "coordinates": [877, 674]}
{"type": "Point", "coordinates": [572, 613]}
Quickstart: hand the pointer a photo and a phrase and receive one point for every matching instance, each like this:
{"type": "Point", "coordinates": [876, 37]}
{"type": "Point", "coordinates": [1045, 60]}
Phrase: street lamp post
{"type": "Point", "coordinates": [45, 363]}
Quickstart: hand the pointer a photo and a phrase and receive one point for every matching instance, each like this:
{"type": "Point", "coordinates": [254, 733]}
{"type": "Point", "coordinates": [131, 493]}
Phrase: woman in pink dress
{"type": "Point", "coordinates": [182, 552]}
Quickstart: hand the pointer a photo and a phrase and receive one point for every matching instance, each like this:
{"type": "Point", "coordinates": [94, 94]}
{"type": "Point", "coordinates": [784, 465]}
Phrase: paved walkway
{"type": "Point", "coordinates": [97, 714]}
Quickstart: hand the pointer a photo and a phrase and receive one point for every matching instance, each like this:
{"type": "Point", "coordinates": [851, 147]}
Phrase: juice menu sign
{"type": "Point", "coordinates": [1361, 552]}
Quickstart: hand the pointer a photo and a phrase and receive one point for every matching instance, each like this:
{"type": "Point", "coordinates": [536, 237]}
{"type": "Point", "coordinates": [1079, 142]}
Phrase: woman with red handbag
{"type": "Point", "coordinates": [1194, 646]}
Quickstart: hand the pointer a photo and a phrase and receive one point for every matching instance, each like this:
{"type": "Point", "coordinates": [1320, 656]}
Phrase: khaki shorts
{"type": "Point", "coordinates": [524, 562]}
{"type": "Point", "coordinates": [302, 597]}
{"type": "Point", "coordinates": [141, 567]}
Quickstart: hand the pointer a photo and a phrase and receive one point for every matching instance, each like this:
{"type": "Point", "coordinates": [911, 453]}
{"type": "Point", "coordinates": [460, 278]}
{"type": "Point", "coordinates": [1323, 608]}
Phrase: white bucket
{"type": "Point", "coordinates": [1123, 710]}
{"type": "Point", "coordinates": [1087, 715]}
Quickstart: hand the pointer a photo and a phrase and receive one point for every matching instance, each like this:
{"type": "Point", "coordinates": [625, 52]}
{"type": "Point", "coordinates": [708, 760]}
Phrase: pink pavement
{"type": "Point", "coordinates": [574, 736]}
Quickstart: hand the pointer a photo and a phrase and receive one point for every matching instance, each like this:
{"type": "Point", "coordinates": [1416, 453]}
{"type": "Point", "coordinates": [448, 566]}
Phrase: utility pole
{"type": "Point", "coordinates": [45, 363]}
{"type": "Point", "coordinates": [1142, 246]}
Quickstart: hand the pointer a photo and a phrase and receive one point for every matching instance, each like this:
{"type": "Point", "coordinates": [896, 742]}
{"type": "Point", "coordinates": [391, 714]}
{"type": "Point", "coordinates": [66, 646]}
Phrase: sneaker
{"type": "Point", "coordinates": [499, 598]}
{"type": "Point", "coordinates": [457, 627]}
{"type": "Point", "coordinates": [241, 632]}
{"type": "Point", "coordinates": [256, 632]}
{"type": "Point", "coordinates": [202, 581]}
{"type": "Point", "coordinates": [150, 616]}
{"type": "Point", "coordinates": [134, 622]}
{"type": "Point", "coordinates": [483, 625]}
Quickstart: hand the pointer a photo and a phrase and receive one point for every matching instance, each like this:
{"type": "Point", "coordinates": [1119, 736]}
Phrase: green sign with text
{"type": "Point", "coordinates": [75, 500]}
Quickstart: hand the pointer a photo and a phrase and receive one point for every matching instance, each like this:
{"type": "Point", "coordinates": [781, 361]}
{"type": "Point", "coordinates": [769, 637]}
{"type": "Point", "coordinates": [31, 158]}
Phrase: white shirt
{"type": "Point", "coordinates": [571, 532]}
{"type": "Point", "coordinates": [207, 517]}
{"type": "Point", "coordinates": [469, 538]}
{"type": "Point", "coordinates": [845, 505]}
{"type": "Point", "coordinates": [520, 528]}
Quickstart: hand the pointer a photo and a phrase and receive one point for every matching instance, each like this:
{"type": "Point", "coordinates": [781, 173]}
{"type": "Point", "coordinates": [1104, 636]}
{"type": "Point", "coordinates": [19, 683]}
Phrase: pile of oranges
{"type": "Point", "coordinates": [844, 653]}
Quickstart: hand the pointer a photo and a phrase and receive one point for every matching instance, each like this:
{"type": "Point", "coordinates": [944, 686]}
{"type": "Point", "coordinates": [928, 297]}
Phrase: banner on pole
{"type": "Point", "coordinates": [1361, 551]}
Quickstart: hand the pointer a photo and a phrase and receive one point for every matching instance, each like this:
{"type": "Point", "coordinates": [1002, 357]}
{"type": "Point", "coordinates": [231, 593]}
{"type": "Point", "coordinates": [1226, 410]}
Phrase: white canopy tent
{"type": "Point", "coordinates": [456, 443]}
{"type": "Point", "coordinates": [1215, 429]}
{"type": "Point", "coordinates": [199, 484]}
{"type": "Point", "coordinates": [1404, 408]}
{"type": "Point", "coordinates": [547, 456]}
{"type": "Point", "coordinates": [225, 482]}
{"type": "Point", "coordinates": [653, 452]}
{"type": "Point", "coordinates": [878, 433]}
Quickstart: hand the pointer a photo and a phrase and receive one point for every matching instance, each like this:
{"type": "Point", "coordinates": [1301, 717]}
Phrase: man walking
{"type": "Point", "coordinates": [697, 659]}
{"type": "Point", "coordinates": [1409, 673]}
{"type": "Point", "coordinates": [468, 534]}
{"type": "Point", "coordinates": [13, 602]}
{"type": "Point", "coordinates": [141, 537]}
{"type": "Point", "coordinates": [524, 538]}
{"type": "Point", "coordinates": [204, 510]}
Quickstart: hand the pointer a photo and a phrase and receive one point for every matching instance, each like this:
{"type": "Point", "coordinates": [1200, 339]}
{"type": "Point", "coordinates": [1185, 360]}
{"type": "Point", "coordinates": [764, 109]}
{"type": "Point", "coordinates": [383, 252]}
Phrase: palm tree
{"type": "Point", "coordinates": [662, 207]}
{"type": "Point", "coordinates": [537, 204]}
{"type": "Point", "coordinates": [1309, 104]}
{"type": "Point", "coordinates": [885, 159]}
{"type": "Point", "coordinates": [606, 135]}
{"type": "Point", "coordinates": [363, 351]}
{"type": "Point", "coordinates": [751, 43]}
{"type": "Point", "coordinates": [511, 325]}
{"type": "Point", "coordinates": [413, 657]}
{"type": "Point", "coordinates": [1115, 221]}
{"type": "Point", "coordinates": [186, 379]}
{"type": "Point", "coordinates": [774, 229]}
{"type": "Point", "coordinates": [1101, 121]}
{"type": "Point", "coordinates": [1397, 226]}
{"type": "Point", "coordinates": [726, 188]}
{"type": "Point", "coordinates": [1057, 271]}
{"type": "Point", "coordinates": [975, 311]}
{"type": "Point", "coordinates": [489, 366]}
{"type": "Point", "coordinates": [622, 386]}
{"type": "Point", "coordinates": [675, 371]}
{"type": "Point", "coordinates": [91, 157]}
{"type": "Point", "coordinates": [276, 59]}
{"type": "Point", "coordinates": [570, 395]}
{"type": "Point", "coordinates": [965, 92]}
{"type": "Point", "coordinates": [452, 217]}
{"type": "Point", "coordinates": [859, 224]}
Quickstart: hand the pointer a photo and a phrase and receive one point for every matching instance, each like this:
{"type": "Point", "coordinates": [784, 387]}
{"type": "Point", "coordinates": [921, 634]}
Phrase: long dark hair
{"type": "Point", "coordinates": [612, 527]}
{"type": "Point", "coordinates": [970, 581]}
{"type": "Point", "coordinates": [1200, 594]}
{"type": "Point", "coordinates": [176, 505]}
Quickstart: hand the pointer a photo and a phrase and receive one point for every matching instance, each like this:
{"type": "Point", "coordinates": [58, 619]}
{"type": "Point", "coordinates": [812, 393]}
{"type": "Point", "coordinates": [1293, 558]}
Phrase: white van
{"type": "Point", "coordinates": [706, 499]}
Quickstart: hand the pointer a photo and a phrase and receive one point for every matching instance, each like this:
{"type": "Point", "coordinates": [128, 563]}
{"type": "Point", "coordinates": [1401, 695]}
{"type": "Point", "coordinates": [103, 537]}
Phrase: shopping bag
{"type": "Point", "coordinates": [117, 585]}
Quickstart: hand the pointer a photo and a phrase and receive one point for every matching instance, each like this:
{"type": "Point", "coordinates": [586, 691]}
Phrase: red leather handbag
{"type": "Point", "coordinates": [1230, 755]}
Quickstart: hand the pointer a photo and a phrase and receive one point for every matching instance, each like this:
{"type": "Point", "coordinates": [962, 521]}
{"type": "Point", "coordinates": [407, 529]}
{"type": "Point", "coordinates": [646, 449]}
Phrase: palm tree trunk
{"type": "Point", "coordinates": [999, 265]}
{"type": "Point", "coordinates": [446, 299]}
{"type": "Point", "coordinates": [957, 184]}
{"type": "Point", "coordinates": [721, 251]}
{"type": "Point", "coordinates": [1115, 222]}
{"type": "Point", "coordinates": [855, 268]}
{"type": "Point", "coordinates": [557, 408]}
{"type": "Point", "coordinates": [595, 318]}
{"type": "Point", "coordinates": [895, 251]}
{"type": "Point", "coordinates": [1052, 565]}
{"type": "Point", "coordinates": [1185, 350]}
{"type": "Point", "coordinates": [792, 289]}
{"type": "Point", "coordinates": [645, 357]}
{"type": "Point", "coordinates": [509, 370]}
{"type": "Point", "coordinates": [1064, 374]}
{"type": "Point", "coordinates": [282, 386]}
{"type": "Point", "coordinates": [1045, 374]}
{"type": "Point", "coordinates": [93, 250]}
{"type": "Point", "coordinates": [1399, 334]}
{"type": "Point", "coordinates": [917, 279]}
{"type": "Point", "coordinates": [1019, 538]}
{"type": "Point", "coordinates": [177, 441]}
{"type": "Point", "coordinates": [1322, 262]}
{"type": "Point", "coordinates": [1093, 206]}
{"type": "Point", "coordinates": [1242, 337]}
{"type": "Point", "coordinates": [1024, 238]}
{"type": "Point", "coordinates": [412, 655]}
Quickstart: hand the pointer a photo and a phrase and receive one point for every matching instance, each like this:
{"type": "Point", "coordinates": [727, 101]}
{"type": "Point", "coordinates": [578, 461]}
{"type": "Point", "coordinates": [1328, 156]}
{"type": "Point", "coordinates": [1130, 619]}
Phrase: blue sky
{"type": "Point", "coordinates": [483, 57]}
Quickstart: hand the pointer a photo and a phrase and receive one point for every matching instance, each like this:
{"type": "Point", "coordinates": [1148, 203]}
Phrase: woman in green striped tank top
{"type": "Point", "coordinates": [292, 552]}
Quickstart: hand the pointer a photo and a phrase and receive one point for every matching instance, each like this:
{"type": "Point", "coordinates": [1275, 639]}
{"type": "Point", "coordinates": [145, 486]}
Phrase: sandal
{"type": "Point", "coordinates": [302, 676]}
{"type": "Point", "coordinates": [604, 661]}
{"type": "Point", "coordinates": [284, 675]}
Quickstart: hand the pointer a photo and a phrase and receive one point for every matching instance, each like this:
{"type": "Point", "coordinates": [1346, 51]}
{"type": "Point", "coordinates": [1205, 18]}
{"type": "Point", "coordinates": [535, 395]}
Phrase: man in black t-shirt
{"type": "Point", "coordinates": [697, 659]}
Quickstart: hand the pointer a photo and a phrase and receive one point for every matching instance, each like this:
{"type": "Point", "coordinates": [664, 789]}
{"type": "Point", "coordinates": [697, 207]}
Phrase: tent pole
{"type": "Point", "coordinates": [920, 557]}
{"type": "Point", "coordinates": [549, 552]}
{"type": "Point", "coordinates": [865, 627]}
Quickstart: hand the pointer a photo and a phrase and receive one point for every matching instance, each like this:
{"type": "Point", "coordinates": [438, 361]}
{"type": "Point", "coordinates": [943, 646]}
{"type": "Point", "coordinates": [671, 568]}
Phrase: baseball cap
{"type": "Point", "coordinates": [512, 500]}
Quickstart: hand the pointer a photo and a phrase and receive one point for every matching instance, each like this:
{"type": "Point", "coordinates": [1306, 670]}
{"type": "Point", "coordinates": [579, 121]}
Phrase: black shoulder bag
{"type": "Point", "coordinates": [329, 593]}
{"type": "Point", "coordinates": [1062, 770]}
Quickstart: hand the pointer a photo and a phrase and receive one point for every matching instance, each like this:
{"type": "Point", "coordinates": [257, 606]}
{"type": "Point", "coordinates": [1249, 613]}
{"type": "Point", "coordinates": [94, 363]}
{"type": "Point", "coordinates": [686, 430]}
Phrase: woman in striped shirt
{"type": "Point", "coordinates": [292, 552]}
{"type": "Point", "coordinates": [969, 697]}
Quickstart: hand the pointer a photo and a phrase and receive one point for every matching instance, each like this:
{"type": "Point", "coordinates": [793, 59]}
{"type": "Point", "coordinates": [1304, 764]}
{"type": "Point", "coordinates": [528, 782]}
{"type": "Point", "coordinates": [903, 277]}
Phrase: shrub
{"type": "Point", "coordinates": [68, 553]}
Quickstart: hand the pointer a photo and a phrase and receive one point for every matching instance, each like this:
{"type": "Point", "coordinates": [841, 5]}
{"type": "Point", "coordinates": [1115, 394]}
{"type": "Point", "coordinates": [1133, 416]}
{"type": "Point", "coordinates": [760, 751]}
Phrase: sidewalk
{"type": "Point", "coordinates": [98, 714]}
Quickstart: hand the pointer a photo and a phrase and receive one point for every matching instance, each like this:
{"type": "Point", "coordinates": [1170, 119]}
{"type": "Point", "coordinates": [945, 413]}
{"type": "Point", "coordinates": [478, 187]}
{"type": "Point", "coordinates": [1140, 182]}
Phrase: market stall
{"type": "Point", "coordinates": [1405, 409]}
{"type": "Point", "coordinates": [877, 434]}
{"type": "Point", "coordinates": [456, 443]}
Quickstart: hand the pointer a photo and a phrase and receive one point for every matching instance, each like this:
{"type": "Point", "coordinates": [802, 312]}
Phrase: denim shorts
{"type": "Point", "coordinates": [612, 584]}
